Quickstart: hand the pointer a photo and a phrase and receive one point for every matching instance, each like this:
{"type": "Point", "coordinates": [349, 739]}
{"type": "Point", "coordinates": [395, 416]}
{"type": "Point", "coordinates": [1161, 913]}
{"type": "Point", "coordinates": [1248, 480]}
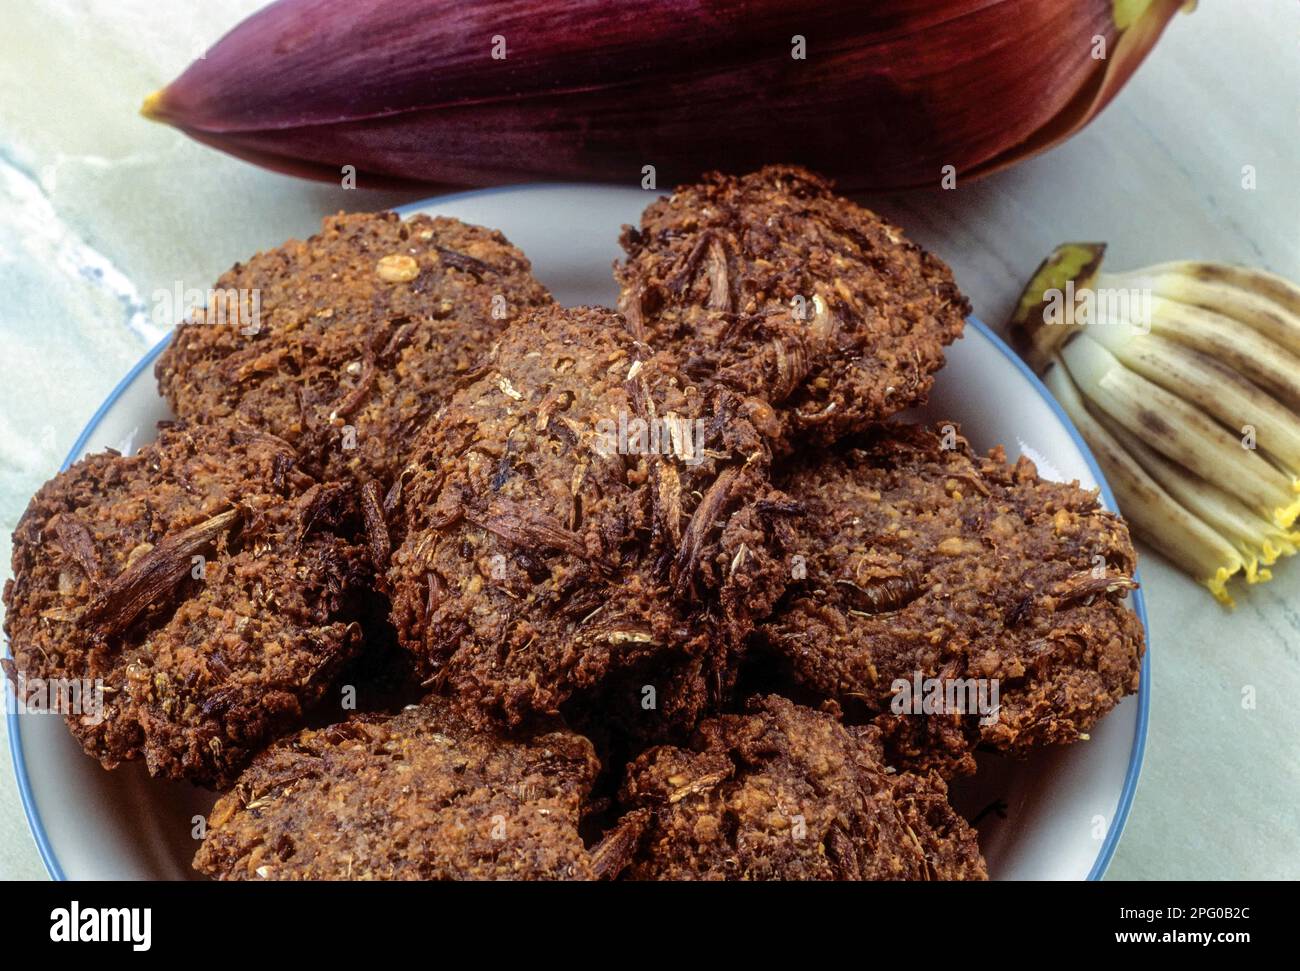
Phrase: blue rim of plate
{"type": "Point", "coordinates": [1136, 754]}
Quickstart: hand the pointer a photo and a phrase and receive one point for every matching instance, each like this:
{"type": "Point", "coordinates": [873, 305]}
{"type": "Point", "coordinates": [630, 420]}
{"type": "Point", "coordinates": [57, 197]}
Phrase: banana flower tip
{"type": "Point", "coordinates": [151, 107]}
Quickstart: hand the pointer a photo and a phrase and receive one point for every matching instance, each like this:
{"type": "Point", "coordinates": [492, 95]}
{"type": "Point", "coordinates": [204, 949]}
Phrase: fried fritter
{"type": "Point", "coordinates": [582, 523]}
{"type": "Point", "coordinates": [925, 560]}
{"type": "Point", "coordinates": [361, 333]}
{"type": "Point", "coordinates": [784, 792]}
{"type": "Point", "coordinates": [202, 582]}
{"type": "Point", "coordinates": [771, 285]}
{"type": "Point", "coordinates": [417, 796]}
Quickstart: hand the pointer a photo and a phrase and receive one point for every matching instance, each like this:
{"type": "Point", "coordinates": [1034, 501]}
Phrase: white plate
{"type": "Point", "coordinates": [1061, 812]}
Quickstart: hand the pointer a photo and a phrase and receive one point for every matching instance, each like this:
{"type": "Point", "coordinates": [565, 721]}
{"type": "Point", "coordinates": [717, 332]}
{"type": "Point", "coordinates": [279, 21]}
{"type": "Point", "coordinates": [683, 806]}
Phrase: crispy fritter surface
{"type": "Point", "coordinates": [780, 290]}
{"type": "Point", "coordinates": [421, 795]}
{"type": "Point", "coordinates": [365, 326]}
{"type": "Point", "coordinates": [785, 792]}
{"type": "Point", "coordinates": [925, 559]}
{"type": "Point", "coordinates": [201, 581]}
{"type": "Point", "coordinates": [558, 551]}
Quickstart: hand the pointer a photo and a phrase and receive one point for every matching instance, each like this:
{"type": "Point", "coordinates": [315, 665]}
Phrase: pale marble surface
{"type": "Point", "coordinates": [99, 208]}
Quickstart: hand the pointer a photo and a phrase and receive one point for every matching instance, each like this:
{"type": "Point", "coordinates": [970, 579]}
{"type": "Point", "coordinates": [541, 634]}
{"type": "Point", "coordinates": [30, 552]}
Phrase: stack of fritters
{"type": "Point", "coordinates": [590, 530]}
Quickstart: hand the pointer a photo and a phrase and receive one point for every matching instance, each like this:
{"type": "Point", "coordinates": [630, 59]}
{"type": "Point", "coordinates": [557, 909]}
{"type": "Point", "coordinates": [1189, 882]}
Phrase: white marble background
{"type": "Point", "coordinates": [98, 208]}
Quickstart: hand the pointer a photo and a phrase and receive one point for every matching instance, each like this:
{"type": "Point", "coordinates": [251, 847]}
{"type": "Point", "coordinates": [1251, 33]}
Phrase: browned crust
{"type": "Point", "coordinates": [417, 796]}
{"type": "Point", "coordinates": [543, 568]}
{"type": "Point", "coordinates": [931, 560]}
{"type": "Point", "coordinates": [771, 285]}
{"type": "Point", "coordinates": [198, 673]}
{"type": "Point", "coordinates": [784, 792]}
{"type": "Point", "coordinates": [343, 343]}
